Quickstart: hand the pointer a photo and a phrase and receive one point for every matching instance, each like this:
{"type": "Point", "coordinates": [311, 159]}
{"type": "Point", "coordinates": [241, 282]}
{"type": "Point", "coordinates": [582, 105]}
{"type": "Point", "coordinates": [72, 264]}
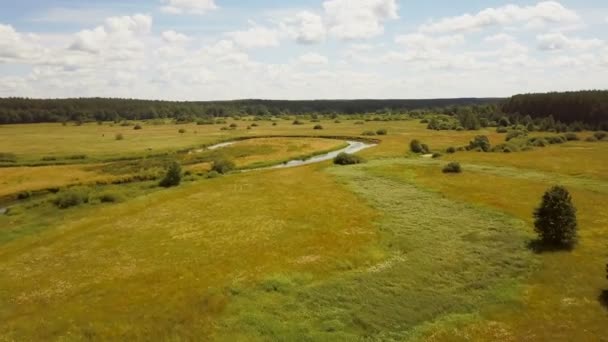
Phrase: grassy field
{"type": "Point", "coordinates": [392, 249]}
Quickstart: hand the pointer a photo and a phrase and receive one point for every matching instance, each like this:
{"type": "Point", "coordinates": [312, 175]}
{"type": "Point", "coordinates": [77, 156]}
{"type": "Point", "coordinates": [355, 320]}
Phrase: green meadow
{"type": "Point", "coordinates": [390, 249]}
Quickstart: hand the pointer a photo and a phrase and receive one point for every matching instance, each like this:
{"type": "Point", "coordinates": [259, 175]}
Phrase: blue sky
{"type": "Point", "coordinates": [303, 49]}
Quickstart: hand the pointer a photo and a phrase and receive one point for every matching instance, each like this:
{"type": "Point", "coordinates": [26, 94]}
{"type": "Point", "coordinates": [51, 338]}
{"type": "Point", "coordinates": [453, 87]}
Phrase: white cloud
{"type": "Point", "coordinates": [120, 38]}
{"type": "Point", "coordinates": [558, 41]}
{"type": "Point", "coordinates": [500, 38]}
{"type": "Point", "coordinates": [305, 27]}
{"type": "Point", "coordinates": [188, 6]}
{"type": "Point", "coordinates": [255, 37]}
{"type": "Point", "coordinates": [174, 37]}
{"type": "Point", "coordinates": [421, 41]}
{"type": "Point", "coordinates": [313, 59]}
{"type": "Point", "coordinates": [547, 12]}
{"type": "Point", "coordinates": [138, 23]}
{"type": "Point", "coordinates": [90, 40]}
{"type": "Point", "coordinates": [358, 19]}
{"type": "Point", "coordinates": [17, 46]}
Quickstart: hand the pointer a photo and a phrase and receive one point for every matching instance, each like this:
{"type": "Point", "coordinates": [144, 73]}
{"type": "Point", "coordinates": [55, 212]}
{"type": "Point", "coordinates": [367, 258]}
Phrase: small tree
{"type": "Point", "coordinates": [173, 176]}
{"type": "Point", "coordinates": [417, 147]}
{"type": "Point", "coordinates": [222, 166]}
{"type": "Point", "coordinates": [555, 218]}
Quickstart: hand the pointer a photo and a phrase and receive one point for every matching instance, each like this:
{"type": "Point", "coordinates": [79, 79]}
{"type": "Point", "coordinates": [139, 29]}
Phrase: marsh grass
{"type": "Point", "coordinates": [436, 258]}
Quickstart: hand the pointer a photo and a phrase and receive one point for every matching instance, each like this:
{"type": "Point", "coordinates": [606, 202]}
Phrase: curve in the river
{"type": "Point", "coordinates": [353, 147]}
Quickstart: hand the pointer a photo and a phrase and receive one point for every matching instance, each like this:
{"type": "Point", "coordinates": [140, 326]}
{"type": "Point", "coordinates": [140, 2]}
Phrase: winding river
{"type": "Point", "coordinates": [353, 147]}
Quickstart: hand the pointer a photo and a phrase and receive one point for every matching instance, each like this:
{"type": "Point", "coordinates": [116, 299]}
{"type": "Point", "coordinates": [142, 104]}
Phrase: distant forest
{"type": "Point", "coordinates": [588, 107]}
{"type": "Point", "coordinates": [23, 110]}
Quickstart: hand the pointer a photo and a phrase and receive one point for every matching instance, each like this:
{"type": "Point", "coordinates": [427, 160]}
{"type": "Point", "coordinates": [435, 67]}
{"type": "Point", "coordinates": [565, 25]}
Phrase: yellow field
{"type": "Point", "coordinates": [392, 249]}
{"type": "Point", "coordinates": [17, 179]}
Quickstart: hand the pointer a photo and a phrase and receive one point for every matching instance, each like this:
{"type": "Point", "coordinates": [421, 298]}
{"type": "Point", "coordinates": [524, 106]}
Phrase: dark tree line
{"type": "Point", "coordinates": [23, 110]}
{"type": "Point", "coordinates": [588, 107]}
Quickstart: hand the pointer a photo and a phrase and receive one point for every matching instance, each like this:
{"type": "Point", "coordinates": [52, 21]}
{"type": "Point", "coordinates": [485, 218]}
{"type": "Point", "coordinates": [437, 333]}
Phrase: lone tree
{"type": "Point", "coordinates": [555, 219]}
{"type": "Point", "coordinates": [173, 176]}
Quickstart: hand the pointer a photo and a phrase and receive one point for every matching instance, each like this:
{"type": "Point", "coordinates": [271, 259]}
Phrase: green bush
{"type": "Point", "coordinates": [538, 142]}
{"type": "Point", "coordinates": [600, 135]}
{"type": "Point", "coordinates": [137, 127]}
{"type": "Point", "coordinates": [436, 155]}
{"type": "Point", "coordinates": [212, 174]}
{"type": "Point", "coordinates": [318, 127]}
{"type": "Point", "coordinates": [451, 150]}
{"type": "Point", "coordinates": [24, 195]}
{"type": "Point", "coordinates": [369, 133]}
{"type": "Point", "coordinates": [571, 136]}
{"type": "Point", "coordinates": [515, 134]}
{"type": "Point", "coordinates": [297, 122]}
{"type": "Point", "coordinates": [591, 139]}
{"type": "Point", "coordinates": [49, 158]}
{"type": "Point", "coordinates": [173, 176]}
{"type": "Point", "coordinates": [71, 198]}
{"type": "Point", "coordinates": [222, 166]}
{"type": "Point", "coordinates": [119, 136]}
{"type": "Point", "coordinates": [182, 131]}
{"type": "Point", "coordinates": [480, 142]}
{"type": "Point", "coordinates": [556, 139]}
{"type": "Point", "coordinates": [347, 159]}
{"type": "Point", "coordinates": [205, 122]}
{"type": "Point", "coordinates": [506, 148]}
{"type": "Point", "coordinates": [7, 157]}
{"type": "Point", "coordinates": [452, 167]}
{"type": "Point", "coordinates": [555, 218]}
{"type": "Point", "coordinates": [502, 129]}
{"type": "Point", "coordinates": [382, 131]}
{"type": "Point", "coordinates": [110, 197]}
{"type": "Point", "coordinates": [417, 147]}
{"type": "Point", "coordinates": [77, 157]}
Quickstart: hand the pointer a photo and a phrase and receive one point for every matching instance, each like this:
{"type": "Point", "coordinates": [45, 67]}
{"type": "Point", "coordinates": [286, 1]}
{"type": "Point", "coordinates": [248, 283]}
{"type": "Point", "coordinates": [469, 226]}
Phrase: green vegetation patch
{"type": "Point", "coordinates": [436, 259]}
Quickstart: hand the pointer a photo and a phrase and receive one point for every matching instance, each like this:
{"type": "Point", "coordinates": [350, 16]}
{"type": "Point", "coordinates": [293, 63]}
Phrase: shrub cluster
{"type": "Point", "coordinates": [417, 147]}
{"type": "Point", "coordinates": [480, 143]}
{"type": "Point", "coordinates": [382, 131]}
{"type": "Point", "coordinates": [452, 167]}
{"type": "Point", "coordinates": [71, 198]}
{"type": "Point", "coordinates": [8, 157]}
{"type": "Point", "coordinates": [347, 159]}
{"type": "Point", "coordinates": [222, 166]}
{"type": "Point", "coordinates": [318, 127]}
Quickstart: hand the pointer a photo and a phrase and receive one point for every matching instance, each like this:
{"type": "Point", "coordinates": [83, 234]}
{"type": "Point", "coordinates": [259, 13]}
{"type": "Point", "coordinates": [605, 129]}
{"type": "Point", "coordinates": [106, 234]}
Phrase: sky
{"type": "Point", "coordinates": [301, 49]}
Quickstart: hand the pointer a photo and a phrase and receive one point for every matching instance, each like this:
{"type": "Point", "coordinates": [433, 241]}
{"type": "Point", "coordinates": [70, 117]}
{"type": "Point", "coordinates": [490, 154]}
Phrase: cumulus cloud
{"type": "Point", "coordinates": [305, 27]}
{"type": "Point", "coordinates": [118, 36]}
{"type": "Point", "coordinates": [547, 12]}
{"type": "Point", "coordinates": [173, 37]}
{"type": "Point", "coordinates": [358, 19]}
{"type": "Point", "coordinates": [558, 41]}
{"type": "Point", "coordinates": [499, 38]}
{"type": "Point", "coordinates": [17, 46]}
{"type": "Point", "coordinates": [313, 59]}
{"type": "Point", "coordinates": [188, 6]}
{"type": "Point", "coordinates": [255, 37]}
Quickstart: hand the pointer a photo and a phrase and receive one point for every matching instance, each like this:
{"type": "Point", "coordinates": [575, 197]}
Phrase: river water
{"type": "Point", "coordinates": [353, 147]}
